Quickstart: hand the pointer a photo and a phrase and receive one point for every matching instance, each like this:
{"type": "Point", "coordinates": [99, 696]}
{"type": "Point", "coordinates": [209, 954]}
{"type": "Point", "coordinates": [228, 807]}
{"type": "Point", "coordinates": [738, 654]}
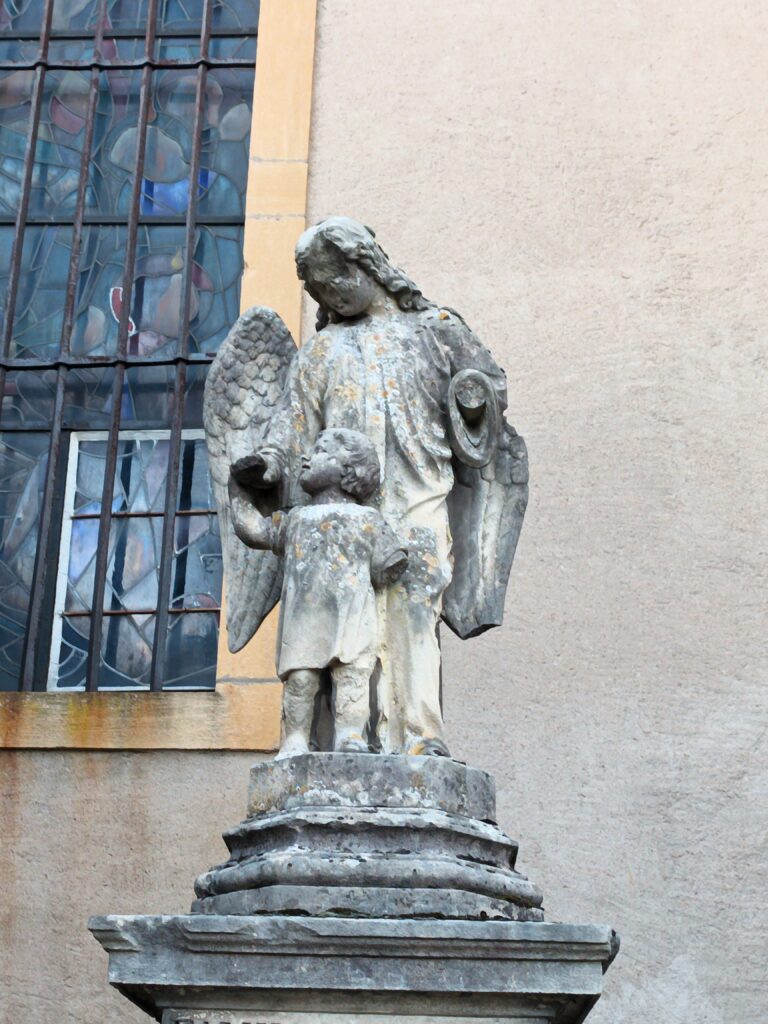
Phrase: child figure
{"type": "Point", "coordinates": [335, 550]}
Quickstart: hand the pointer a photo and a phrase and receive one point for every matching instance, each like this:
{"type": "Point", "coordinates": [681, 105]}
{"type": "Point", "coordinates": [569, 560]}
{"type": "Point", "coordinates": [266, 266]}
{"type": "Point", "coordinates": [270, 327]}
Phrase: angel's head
{"type": "Point", "coordinates": [343, 459]}
{"type": "Point", "coordinates": [344, 269]}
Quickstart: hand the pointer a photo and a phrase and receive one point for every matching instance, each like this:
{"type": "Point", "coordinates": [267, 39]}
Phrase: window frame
{"type": "Point", "coordinates": [76, 439]}
{"type": "Point", "coordinates": [38, 646]}
{"type": "Point", "coordinates": [243, 713]}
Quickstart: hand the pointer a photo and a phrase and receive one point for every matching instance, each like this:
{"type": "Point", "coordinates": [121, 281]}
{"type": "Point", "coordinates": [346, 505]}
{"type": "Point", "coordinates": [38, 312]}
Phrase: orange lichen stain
{"type": "Point", "coordinates": [350, 391]}
{"type": "Point", "coordinates": [443, 315]}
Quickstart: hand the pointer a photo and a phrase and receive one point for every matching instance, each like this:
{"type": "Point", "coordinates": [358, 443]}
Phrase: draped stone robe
{"type": "Point", "coordinates": [387, 376]}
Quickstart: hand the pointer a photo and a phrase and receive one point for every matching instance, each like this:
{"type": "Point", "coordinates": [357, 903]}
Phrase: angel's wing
{"type": "Point", "coordinates": [243, 391]}
{"type": "Point", "coordinates": [485, 510]}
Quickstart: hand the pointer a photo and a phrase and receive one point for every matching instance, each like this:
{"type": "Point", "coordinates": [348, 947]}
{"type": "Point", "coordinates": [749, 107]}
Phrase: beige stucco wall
{"type": "Point", "coordinates": [92, 833]}
{"type": "Point", "coordinates": [586, 183]}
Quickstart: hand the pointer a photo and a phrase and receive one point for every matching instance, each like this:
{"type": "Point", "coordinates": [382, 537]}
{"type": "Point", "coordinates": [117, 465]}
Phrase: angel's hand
{"type": "Point", "coordinates": [258, 471]}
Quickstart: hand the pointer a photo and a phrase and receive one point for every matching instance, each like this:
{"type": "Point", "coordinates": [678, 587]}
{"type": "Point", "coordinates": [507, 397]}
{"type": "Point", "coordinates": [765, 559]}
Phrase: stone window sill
{"type": "Point", "coordinates": [236, 716]}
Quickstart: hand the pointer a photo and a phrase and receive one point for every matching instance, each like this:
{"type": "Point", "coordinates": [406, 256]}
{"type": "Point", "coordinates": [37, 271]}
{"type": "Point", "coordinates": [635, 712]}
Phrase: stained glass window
{"type": "Point", "coordinates": [124, 130]}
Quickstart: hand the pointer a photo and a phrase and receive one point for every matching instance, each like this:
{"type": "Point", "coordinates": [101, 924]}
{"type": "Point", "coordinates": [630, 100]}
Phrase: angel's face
{"type": "Point", "coordinates": [338, 284]}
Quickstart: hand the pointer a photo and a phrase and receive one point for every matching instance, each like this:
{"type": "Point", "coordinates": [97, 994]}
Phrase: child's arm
{"type": "Point", "coordinates": [390, 571]}
{"type": "Point", "coordinates": [390, 558]}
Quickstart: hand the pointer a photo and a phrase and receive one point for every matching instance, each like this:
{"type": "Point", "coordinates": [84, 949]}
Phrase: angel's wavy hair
{"type": "Point", "coordinates": [357, 244]}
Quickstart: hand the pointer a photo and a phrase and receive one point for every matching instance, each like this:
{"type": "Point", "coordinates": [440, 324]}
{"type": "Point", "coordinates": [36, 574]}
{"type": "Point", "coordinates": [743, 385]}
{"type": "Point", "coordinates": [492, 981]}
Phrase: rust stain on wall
{"type": "Point", "coordinates": [234, 717]}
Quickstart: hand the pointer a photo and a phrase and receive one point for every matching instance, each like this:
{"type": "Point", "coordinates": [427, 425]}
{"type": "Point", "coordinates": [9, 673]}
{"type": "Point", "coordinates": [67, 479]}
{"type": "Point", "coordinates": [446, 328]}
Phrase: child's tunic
{"type": "Point", "coordinates": [328, 606]}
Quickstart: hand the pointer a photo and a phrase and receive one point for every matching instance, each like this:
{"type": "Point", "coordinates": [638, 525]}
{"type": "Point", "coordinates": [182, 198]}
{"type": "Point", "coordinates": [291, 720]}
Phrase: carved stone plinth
{"type": "Point", "coordinates": [364, 835]}
{"type": "Point", "coordinates": [361, 889]}
{"type": "Point", "coordinates": [291, 970]}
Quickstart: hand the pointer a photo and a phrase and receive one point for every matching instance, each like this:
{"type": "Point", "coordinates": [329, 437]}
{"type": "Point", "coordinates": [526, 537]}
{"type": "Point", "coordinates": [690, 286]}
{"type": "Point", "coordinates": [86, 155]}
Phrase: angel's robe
{"type": "Point", "coordinates": [387, 376]}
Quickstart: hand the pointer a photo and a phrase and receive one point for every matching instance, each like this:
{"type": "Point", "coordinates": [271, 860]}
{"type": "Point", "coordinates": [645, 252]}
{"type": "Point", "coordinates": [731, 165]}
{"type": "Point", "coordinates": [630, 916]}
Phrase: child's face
{"type": "Point", "coordinates": [323, 468]}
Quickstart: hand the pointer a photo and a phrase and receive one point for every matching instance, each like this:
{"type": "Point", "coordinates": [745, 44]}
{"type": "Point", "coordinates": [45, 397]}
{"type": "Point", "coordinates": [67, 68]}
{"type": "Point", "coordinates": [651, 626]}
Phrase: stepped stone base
{"type": "Point", "coordinates": [367, 835]}
{"type": "Point", "coordinates": [362, 889]}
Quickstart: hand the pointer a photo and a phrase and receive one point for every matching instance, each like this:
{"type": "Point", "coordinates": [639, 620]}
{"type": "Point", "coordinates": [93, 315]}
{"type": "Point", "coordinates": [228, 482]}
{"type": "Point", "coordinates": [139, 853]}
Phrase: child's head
{"type": "Point", "coordinates": [345, 458]}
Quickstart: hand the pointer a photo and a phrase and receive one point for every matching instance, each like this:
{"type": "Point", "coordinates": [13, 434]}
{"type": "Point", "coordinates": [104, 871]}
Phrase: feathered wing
{"type": "Point", "coordinates": [486, 504]}
{"type": "Point", "coordinates": [243, 391]}
{"type": "Point", "coordinates": [485, 510]}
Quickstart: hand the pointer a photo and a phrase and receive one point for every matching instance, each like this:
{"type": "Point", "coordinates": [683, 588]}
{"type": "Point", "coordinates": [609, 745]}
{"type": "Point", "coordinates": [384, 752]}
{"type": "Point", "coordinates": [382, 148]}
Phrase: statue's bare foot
{"type": "Point", "coordinates": [292, 746]}
{"type": "Point", "coordinates": [351, 743]}
{"type": "Point", "coordinates": [429, 748]}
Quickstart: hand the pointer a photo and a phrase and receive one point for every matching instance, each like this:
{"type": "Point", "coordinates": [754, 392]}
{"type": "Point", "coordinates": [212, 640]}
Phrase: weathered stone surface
{"type": "Point", "coordinates": [429, 398]}
{"type": "Point", "coordinates": [282, 970]}
{"type": "Point", "coordinates": [369, 836]}
{"type": "Point", "coordinates": [349, 901]}
{"type": "Point", "coordinates": [361, 890]}
{"type": "Point", "coordinates": [371, 870]}
{"type": "Point", "coordinates": [387, 831]}
{"type": "Point", "coordinates": [394, 1016]}
{"type": "Point", "coordinates": [353, 780]}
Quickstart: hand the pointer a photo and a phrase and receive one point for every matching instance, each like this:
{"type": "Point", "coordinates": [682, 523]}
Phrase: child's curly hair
{"type": "Point", "coordinates": [361, 475]}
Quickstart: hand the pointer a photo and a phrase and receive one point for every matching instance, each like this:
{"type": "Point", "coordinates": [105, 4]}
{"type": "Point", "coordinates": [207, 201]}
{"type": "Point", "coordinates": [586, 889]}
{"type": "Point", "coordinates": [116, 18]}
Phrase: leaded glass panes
{"type": "Point", "coordinates": [135, 550]}
{"type": "Point", "coordinates": [39, 311]}
{"type": "Point", "coordinates": [26, 15]}
{"type": "Point", "coordinates": [23, 459]}
{"type": "Point", "coordinates": [124, 130]}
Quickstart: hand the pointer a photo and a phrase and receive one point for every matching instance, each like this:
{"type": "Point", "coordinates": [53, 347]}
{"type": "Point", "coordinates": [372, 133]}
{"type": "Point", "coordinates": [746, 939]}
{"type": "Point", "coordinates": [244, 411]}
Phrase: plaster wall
{"type": "Point", "coordinates": [92, 833]}
{"type": "Point", "coordinates": [586, 184]}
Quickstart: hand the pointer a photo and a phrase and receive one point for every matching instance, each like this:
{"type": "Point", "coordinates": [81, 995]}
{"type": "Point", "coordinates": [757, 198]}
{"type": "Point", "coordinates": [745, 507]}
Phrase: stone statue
{"type": "Point", "coordinates": [335, 551]}
{"type": "Point", "coordinates": [413, 378]}
{"type": "Point", "coordinates": [369, 482]}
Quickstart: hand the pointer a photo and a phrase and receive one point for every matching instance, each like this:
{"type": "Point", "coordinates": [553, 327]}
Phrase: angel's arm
{"type": "Point", "coordinates": [466, 351]}
{"type": "Point", "coordinates": [295, 424]}
{"type": "Point", "coordinates": [389, 559]}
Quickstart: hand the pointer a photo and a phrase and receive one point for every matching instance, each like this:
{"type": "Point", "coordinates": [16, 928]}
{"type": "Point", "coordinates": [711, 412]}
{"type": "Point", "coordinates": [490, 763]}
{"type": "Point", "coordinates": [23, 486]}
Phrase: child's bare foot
{"type": "Point", "coordinates": [292, 746]}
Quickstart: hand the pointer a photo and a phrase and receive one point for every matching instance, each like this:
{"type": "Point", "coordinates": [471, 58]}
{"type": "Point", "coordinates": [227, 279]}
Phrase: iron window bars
{"type": "Point", "coordinates": [159, 208]}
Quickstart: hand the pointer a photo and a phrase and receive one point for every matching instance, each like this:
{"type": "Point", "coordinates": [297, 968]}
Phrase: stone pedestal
{"type": "Point", "coordinates": [361, 888]}
{"type": "Point", "coordinates": [364, 835]}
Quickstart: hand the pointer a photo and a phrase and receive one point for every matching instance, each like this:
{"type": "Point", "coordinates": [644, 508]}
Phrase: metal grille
{"type": "Point", "coordinates": [160, 206]}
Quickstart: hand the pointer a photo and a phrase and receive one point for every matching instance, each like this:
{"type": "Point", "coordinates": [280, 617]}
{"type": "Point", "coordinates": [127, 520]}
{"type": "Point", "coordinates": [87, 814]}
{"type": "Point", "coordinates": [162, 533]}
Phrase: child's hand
{"type": "Point", "coordinates": [392, 569]}
{"type": "Point", "coordinates": [248, 523]}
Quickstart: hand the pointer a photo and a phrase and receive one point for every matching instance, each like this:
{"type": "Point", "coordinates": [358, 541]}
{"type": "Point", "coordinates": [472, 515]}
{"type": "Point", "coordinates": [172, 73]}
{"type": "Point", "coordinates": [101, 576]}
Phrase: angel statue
{"type": "Point", "coordinates": [415, 381]}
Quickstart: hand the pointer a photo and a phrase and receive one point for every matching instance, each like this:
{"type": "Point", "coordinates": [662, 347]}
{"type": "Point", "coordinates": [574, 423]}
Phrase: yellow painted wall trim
{"type": "Point", "coordinates": [275, 217]}
{"type": "Point", "coordinates": [231, 718]}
